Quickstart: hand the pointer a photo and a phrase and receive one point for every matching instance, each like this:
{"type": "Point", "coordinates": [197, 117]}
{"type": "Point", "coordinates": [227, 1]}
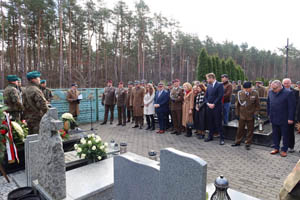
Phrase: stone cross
{"type": "Point", "coordinates": [50, 158]}
{"type": "Point", "coordinates": [180, 176]}
{"type": "Point", "coordinates": [31, 153]}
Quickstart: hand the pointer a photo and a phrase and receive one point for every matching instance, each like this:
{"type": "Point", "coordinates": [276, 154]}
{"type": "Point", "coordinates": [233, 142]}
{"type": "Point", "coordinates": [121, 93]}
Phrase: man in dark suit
{"type": "Point", "coordinates": [291, 130]}
{"type": "Point", "coordinates": [161, 104]}
{"type": "Point", "coordinates": [213, 99]}
{"type": "Point", "coordinates": [281, 111]}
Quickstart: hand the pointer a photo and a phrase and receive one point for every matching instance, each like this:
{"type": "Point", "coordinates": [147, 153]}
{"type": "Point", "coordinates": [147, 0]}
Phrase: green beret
{"type": "Point", "coordinates": [19, 79]}
{"type": "Point", "coordinates": [33, 74]}
{"type": "Point", "coordinates": [12, 78]}
{"type": "Point", "coordinates": [42, 81]}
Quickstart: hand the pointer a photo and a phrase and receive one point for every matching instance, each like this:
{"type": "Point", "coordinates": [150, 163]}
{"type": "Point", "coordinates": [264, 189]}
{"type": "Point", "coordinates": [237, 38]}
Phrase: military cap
{"type": "Point", "coordinates": [224, 76]}
{"type": "Point", "coordinates": [33, 74]}
{"type": "Point", "coordinates": [74, 84]}
{"type": "Point", "coordinates": [161, 83]}
{"type": "Point", "coordinates": [12, 78]}
{"type": "Point", "coordinates": [258, 82]}
{"type": "Point", "coordinates": [109, 81]}
{"type": "Point", "coordinates": [151, 82]}
{"type": "Point", "coordinates": [298, 82]}
{"type": "Point", "coordinates": [170, 83]}
{"type": "Point", "coordinates": [121, 83]}
{"type": "Point", "coordinates": [136, 82]}
{"type": "Point", "coordinates": [19, 79]}
{"type": "Point", "coordinates": [176, 80]}
{"type": "Point", "coordinates": [233, 82]}
{"type": "Point", "coordinates": [130, 83]}
{"type": "Point", "coordinates": [42, 81]}
{"type": "Point", "coordinates": [247, 84]}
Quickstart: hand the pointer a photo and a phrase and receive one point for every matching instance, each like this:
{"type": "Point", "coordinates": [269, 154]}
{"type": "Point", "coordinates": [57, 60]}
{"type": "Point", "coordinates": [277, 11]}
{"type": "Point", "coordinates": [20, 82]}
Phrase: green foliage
{"type": "Point", "coordinates": [202, 66]}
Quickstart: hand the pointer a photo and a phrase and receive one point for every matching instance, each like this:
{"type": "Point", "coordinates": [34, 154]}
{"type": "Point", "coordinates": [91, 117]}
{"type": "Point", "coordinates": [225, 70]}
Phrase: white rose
{"type": "Point", "coordinates": [76, 146]}
{"type": "Point", "coordinates": [79, 150]}
{"type": "Point", "coordinates": [99, 157]}
{"type": "Point", "coordinates": [106, 144]}
{"type": "Point", "coordinates": [102, 147]}
{"type": "Point", "coordinates": [83, 156]}
{"type": "Point", "coordinates": [97, 140]}
{"type": "Point", "coordinates": [82, 141]}
{"type": "Point", "coordinates": [94, 148]}
{"type": "Point", "coordinates": [98, 137]}
{"type": "Point", "coordinates": [93, 135]}
{"type": "Point", "coordinates": [89, 142]}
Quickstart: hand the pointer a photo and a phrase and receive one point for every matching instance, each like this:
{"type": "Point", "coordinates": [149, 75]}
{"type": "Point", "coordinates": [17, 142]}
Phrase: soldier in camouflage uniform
{"type": "Point", "coordinates": [12, 98]}
{"type": "Point", "coordinates": [46, 91]}
{"type": "Point", "coordinates": [35, 104]}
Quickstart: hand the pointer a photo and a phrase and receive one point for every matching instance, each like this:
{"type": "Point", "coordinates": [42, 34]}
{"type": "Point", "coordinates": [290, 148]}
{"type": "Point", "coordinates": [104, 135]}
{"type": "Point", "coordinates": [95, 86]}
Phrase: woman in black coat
{"type": "Point", "coordinates": [199, 112]}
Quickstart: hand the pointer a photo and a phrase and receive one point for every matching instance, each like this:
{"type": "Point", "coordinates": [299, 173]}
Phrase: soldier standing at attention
{"type": "Point", "coordinates": [12, 98]}
{"type": "Point", "coordinates": [247, 106]}
{"type": "Point", "coordinates": [128, 107]}
{"type": "Point", "coordinates": [176, 100]}
{"type": "Point", "coordinates": [46, 91]}
{"type": "Point", "coordinates": [109, 101]}
{"type": "Point", "coordinates": [260, 89]}
{"type": "Point", "coordinates": [35, 104]}
{"type": "Point", "coordinates": [72, 98]}
{"type": "Point", "coordinates": [121, 96]}
{"type": "Point", "coordinates": [137, 101]}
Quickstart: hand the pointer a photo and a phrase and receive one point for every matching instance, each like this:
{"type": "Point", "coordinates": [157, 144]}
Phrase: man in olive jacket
{"type": "Point", "coordinates": [109, 101]}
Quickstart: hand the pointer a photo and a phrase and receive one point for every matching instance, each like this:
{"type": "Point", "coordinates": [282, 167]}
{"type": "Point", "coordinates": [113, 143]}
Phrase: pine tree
{"type": "Point", "coordinates": [202, 67]}
{"type": "Point", "coordinates": [210, 65]}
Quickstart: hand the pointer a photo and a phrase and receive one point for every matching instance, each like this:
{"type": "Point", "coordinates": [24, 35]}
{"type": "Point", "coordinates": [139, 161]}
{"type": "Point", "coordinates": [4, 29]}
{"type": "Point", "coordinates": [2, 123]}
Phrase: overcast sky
{"type": "Point", "coordinates": [265, 24]}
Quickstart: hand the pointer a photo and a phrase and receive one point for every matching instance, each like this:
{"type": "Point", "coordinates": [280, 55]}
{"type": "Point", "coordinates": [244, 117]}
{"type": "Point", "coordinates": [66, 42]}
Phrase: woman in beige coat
{"type": "Point", "coordinates": [187, 108]}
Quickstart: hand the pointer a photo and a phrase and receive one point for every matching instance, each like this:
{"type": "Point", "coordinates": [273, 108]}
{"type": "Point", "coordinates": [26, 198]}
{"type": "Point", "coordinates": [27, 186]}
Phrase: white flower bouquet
{"type": "Point", "coordinates": [92, 148]}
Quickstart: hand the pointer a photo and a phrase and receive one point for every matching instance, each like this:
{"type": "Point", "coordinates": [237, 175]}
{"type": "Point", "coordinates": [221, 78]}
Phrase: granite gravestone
{"type": "Point", "coordinates": [180, 176]}
{"type": "Point", "coordinates": [135, 178]}
{"type": "Point", "coordinates": [50, 159]}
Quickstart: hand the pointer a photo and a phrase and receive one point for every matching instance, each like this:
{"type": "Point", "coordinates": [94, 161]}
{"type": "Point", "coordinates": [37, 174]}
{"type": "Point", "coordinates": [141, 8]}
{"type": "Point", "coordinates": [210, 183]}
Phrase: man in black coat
{"type": "Point", "coordinates": [281, 111]}
{"type": "Point", "coordinates": [291, 132]}
{"type": "Point", "coordinates": [213, 100]}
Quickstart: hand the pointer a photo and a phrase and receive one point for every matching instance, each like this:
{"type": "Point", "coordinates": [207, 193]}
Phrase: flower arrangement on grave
{"type": "Point", "coordinates": [92, 148]}
{"type": "Point", "coordinates": [64, 134]}
{"type": "Point", "coordinates": [69, 121]}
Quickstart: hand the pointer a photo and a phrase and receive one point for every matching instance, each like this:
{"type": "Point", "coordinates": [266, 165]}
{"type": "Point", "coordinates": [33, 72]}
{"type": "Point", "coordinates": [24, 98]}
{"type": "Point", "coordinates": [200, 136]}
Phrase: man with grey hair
{"type": "Point", "coordinates": [291, 131]}
{"type": "Point", "coordinates": [281, 111]}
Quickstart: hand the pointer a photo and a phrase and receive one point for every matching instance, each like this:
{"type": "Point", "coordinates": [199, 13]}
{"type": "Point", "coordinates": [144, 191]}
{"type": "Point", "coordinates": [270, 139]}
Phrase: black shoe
{"type": "Point", "coordinates": [175, 132]}
{"type": "Point", "coordinates": [178, 133]}
{"type": "Point", "coordinates": [222, 142]}
{"type": "Point", "coordinates": [200, 137]}
{"type": "Point", "coordinates": [123, 124]}
{"type": "Point", "coordinates": [148, 128]}
{"type": "Point", "coordinates": [128, 120]}
{"type": "Point", "coordinates": [136, 126]}
{"type": "Point", "coordinates": [132, 122]}
{"type": "Point", "coordinates": [111, 123]}
{"type": "Point", "coordinates": [119, 124]}
{"type": "Point", "coordinates": [235, 145]}
{"type": "Point", "coordinates": [247, 147]}
{"type": "Point", "coordinates": [103, 123]}
{"type": "Point", "coordinates": [188, 135]}
{"type": "Point", "coordinates": [141, 127]}
{"type": "Point", "coordinates": [208, 140]}
{"type": "Point", "coordinates": [153, 128]}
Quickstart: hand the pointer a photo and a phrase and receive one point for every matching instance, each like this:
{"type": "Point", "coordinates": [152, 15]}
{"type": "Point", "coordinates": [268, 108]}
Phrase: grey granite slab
{"type": "Point", "coordinates": [91, 180]}
{"type": "Point", "coordinates": [182, 176]}
{"type": "Point", "coordinates": [136, 178]}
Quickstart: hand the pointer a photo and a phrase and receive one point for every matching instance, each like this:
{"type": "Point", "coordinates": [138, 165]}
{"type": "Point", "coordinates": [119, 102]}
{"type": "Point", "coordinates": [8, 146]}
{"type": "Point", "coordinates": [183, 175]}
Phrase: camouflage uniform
{"type": "Point", "coordinates": [47, 93]}
{"type": "Point", "coordinates": [12, 100]}
{"type": "Point", "coordinates": [35, 106]}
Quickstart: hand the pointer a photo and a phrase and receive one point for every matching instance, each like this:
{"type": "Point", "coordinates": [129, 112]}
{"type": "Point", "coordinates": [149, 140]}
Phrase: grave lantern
{"type": "Point", "coordinates": [221, 184]}
{"type": "Point", "coordinates": [152, 155]}
{"type": "Point", "coordinates": [123, 147]}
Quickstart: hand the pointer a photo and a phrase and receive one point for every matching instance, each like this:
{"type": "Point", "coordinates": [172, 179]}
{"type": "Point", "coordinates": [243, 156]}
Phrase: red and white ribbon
{"type": "Point", "coordinates": [11, 149]}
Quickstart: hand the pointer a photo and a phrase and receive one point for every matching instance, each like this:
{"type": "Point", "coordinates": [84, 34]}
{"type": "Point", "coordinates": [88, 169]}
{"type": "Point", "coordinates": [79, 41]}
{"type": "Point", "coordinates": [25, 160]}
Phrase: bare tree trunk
{"type": "Point", "coordinates": [61, 65]}
{"type": "Point", "coordinates": [39, 42]}
{"type": "Point", "coordinates": [26, 54]}
{"type": "Point", "coordinates": [70, 46]}
{"type": "Point", "coordinates": [21, 54]}
{"type": "Point", "coordinates": [2, 47]}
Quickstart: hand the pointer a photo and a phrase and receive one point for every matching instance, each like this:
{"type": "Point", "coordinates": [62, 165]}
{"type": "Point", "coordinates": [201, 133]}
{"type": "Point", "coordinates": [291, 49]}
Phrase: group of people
{"type": "Point", "coordinates": [203, 106]}
{"type": "Point", "coordinates": [28, 103]}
